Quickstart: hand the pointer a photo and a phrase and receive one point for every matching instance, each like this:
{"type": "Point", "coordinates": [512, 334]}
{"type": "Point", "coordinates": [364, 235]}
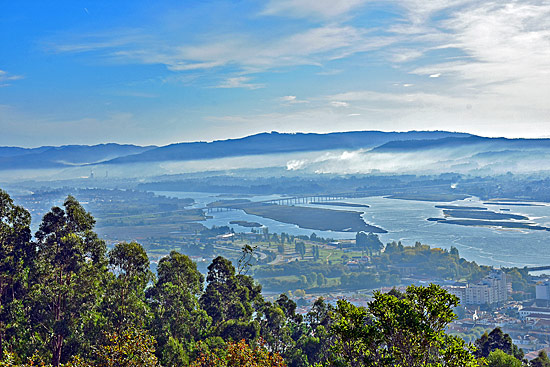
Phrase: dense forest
{"type": "Point", "coordinates": [66, 300]}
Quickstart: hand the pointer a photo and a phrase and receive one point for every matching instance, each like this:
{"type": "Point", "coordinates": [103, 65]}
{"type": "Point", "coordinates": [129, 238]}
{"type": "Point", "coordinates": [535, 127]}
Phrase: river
{"type": "Point", "coordinates": [405, 221]}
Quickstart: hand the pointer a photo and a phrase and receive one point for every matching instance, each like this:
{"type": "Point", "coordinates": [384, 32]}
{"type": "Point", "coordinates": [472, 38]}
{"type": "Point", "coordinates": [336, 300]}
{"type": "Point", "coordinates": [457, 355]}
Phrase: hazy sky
{"type": "Point", "coordinates": [157, 72]}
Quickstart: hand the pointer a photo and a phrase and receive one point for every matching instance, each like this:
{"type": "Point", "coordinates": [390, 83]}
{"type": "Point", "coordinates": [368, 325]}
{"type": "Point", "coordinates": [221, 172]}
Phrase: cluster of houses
{"type": "Point", "coordinates": [528, 323]}
{"type": "Point", "coordinates": [488, 306]}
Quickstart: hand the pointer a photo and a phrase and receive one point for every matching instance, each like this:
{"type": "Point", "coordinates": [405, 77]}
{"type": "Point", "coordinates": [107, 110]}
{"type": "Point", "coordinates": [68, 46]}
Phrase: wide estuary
{"type": "Point", "coordinates": [406, 221]}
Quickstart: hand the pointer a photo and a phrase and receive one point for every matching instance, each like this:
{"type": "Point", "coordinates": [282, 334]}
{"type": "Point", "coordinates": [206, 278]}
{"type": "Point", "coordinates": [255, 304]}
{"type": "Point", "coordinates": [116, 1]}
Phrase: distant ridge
{"type": "Point", "coordinates": [274, 142]}
{"type": "Point", "coordinates": [63, 156]}
{"type": "Point", "coordinates": [470, 147]}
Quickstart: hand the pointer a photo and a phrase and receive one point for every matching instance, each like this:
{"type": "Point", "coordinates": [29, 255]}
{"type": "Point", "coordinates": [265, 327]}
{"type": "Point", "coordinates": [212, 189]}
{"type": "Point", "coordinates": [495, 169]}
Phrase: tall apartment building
{"type": "Point", "coordinates": [491, 289]}
{"type": "Point", "coordinates": [543, 291]}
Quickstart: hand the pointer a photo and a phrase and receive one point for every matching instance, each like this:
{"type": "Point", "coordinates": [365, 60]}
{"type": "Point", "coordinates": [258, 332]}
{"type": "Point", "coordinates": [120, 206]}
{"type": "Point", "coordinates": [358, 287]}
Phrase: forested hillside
{"type": "Point", "coordinates": [66, 300]}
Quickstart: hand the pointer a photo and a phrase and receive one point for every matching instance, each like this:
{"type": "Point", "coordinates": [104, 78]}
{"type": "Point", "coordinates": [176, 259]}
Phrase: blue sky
{"type": "Point", "coordinates": [157, 72]}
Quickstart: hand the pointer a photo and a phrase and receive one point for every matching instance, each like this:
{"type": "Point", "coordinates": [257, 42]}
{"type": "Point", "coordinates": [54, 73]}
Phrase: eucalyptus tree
{"type": "Point", "coordinates": [178, 319]}
{"type": "Point", "coordinates": [16, 254]}
{"type": "Point", "coordinates": [230, 300]}
{"type": "Point", "coordinates": [124, 304]}
{"type": "Point", "coordinates": [497, 339]}
{"type": "Point", "coordinates": [68, 279]}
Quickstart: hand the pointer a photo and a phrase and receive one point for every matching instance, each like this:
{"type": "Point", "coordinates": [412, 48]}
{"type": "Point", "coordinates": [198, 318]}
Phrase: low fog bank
{"type": "Point", "coordinates": [470, 160]}
{"type": "Point", "coordinates": [435, 161]}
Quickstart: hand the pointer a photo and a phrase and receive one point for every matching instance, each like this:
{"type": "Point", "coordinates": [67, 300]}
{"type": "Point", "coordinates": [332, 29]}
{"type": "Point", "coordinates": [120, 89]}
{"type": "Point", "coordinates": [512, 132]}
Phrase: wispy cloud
{"type": "Point", "coordinates": [239, 82]}
{"type": "Point", "coordinates": [506, 48]}
{"type": "Point", "coordinates": [308, 8]}
{"type": "Point", "coordinates": [115, 39]}
{"type": "Point", "coordinates": [6, 78]}
{"type": "Point", "coordinates": [339, 104]}
{"type": "Point", "coordinates": [247, 52]}
{"type": "Point", "coordinates": [292, 100]}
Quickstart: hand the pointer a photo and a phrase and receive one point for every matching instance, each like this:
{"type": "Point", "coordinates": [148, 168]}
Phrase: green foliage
{"type": "Point", "coordinates": [124, 300]}
{"type": "Point", "coordinates": [238, 355]}
{"type": "Point", "coordinates": [542, 360]}
{"type": "Point", "coordinates": [315, 252]}
{"type": "Point", "coordinates": [496, 340]}
{"type": "Point", "coordinates": [498, 358]}
{"type": "Point", "coordinates": [521, 283]}
{"type": "Point", "coordinates": [131, 348]}
{"type": "Point", "coordinates": [300, 248]}
{"type": "Point", "coordinates": [16, 255]}
{"type": "Point", "coordinates": [67, 280]}
{"type": "Point", "coordinates": [369, 242]}
{"type": "Point", "coordinates": [178, 319]}
{"type": "Point", "coordinates": [230, 297]}
{"type": "Point", "coordinates": [393, 331]}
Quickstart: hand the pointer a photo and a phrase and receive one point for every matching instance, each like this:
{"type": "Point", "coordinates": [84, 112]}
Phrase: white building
{"type": "Point", "coordinates": [543, 291]}
{"type": "Point", "coordinates": [491, 289]}
{"type": "Point", "coordinates": [534, 312]}
{"type": "Point", "coordinates": [457, 290]}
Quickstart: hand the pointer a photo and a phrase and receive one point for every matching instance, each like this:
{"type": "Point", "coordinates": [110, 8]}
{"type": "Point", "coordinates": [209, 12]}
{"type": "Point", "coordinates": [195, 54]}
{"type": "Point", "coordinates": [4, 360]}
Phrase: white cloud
{"type": "Point", "coordinates": [437, 75]}
{"type": "Point", "coordinates": [251, 53]}
{"type": "Point", "coordinates": [239, 82]}
{"type": "Point", "coordinates": [6, 77]}
{"type": "Point", "coordinates": [292, 100]}
{"type": "Point", "coordinates": [309, 8]}
{"type": "Point", "coordinates": [404, 55]}
{"type": "Point", "coordinates": [339, 104]}
{"type": "Point", "coordinates": [506, 47]}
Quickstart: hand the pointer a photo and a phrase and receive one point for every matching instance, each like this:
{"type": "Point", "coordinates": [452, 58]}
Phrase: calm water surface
{"type": "Point", "coordinates": [405, 221]}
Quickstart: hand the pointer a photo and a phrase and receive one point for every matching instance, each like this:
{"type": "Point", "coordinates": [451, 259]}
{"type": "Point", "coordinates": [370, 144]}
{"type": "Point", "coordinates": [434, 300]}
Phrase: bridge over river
{"type": "Point", "coordinates": [537, 268]}
{"type": "Point", "coordinates": [299, 199]}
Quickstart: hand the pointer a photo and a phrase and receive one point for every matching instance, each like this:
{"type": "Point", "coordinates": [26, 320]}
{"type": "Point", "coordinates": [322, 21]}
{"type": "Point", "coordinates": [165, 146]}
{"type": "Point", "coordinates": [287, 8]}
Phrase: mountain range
{"type": "Point", "coordinates": [259, 144]}
{"type": "Point", "coordinates": [441, 151]}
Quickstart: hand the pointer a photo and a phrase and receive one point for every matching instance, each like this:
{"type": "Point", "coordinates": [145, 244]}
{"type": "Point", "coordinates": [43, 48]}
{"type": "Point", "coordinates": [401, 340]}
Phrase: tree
{"type": "Point", "coordinates": [498, 358]}
{"type": "Point", "coordinates": [67, 281]}
{"type": "Point", "coordinates": [496, 339]}
{"type": "Point", "coordinates": [124, 302]}
{"type": "Point", "coordinates": [16, 253]}
{"type": "Point", "coordinates": [229, 298]}
{"type": "Point", "coordinates": [178, 319]}
{"type": "Point", "coordinates": [131, 348]}
{"type": "Point", "coordinates": [321, 280]}
{"type": "Point", "coordinates": [245, 261]}
{"type": "Point", "coordinates": [403, 332]}
{"type": "Point", "coordinates": [454, 252]}
{"type": "Point", "coordinates": [238, 355]}
{"type": "Point", "coordinates": [315, 252]}
{"type": "Point", "coordinates": [316, 341]}
{"type": "Point", "coordinates": [273, 328]}
{"type": "Point", "coordinates": [369, 242]}
{"type": "Point", "coordinates": [300, 248]}
{"type": "Point", "coordinates": [542, 360]}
